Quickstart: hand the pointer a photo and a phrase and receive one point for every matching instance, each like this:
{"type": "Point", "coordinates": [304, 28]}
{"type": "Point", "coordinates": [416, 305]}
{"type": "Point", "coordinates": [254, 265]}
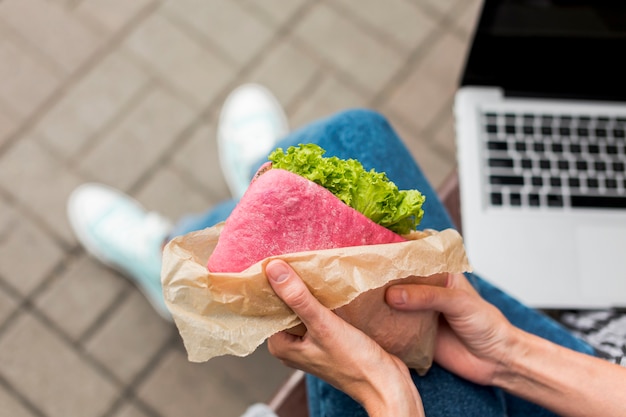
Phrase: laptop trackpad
{"type": "Point", "coordinates": [602, 262]}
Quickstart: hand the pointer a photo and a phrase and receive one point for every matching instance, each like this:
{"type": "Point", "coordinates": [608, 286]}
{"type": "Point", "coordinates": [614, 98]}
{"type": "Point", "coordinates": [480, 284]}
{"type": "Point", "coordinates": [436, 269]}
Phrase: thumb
{"type": "Point", "coordinates": [292, 290]}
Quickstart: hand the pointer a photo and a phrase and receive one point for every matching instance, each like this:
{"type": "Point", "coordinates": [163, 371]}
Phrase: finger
{"type": "Point", "coordinates": [412, 297]}
{"type": "Point", "coordinates": [284, 346]}
{"type": "Point", "coordinates": [292, 290]}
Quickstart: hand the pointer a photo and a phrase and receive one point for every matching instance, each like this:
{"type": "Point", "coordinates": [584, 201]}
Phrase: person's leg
{"type": "Point", "coordinates": [368, 137]}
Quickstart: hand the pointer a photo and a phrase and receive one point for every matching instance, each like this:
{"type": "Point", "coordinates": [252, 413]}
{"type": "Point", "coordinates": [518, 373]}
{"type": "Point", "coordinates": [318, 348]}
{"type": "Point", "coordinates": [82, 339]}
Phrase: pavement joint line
{"type": "Point", "coordinates": [300, 98]}
{"type": "Point", "coordinates": [16, 395]}
{"type": "Point", "coordinates": [367, 27]}
{"type": "Point", "coordinates": [73, 78]}
{"type": "Point", "coordinates": [98, 137]}
{"type": "Point", "coordinates": [200, 39]}
{"type": "Point", "coordinates": [128, 392]}
{"type": "Point", "coordinates": [328, 66]}
{"type": "Point", "coordinates": [211, 110]}
{"type": "Point", "coordinates": [25, 209]}
{"type": "Point", "coordinates": [412, 61]}
{"type": "Point", "coordinates": [108, 312]}
{"type": "Point", "coordinates": [20, 41]}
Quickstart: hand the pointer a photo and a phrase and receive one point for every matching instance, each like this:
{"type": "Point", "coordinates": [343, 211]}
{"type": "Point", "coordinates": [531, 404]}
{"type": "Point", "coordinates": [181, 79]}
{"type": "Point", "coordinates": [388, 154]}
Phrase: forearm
{"type": "Point", "coordinates": [564, 381]}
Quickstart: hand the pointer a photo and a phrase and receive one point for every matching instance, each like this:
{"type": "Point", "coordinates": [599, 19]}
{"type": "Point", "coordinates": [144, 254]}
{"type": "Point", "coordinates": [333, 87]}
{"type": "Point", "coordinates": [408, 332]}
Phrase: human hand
{"type": "Point", "coordinates": [474, 337]}
{"type": "Point", "coordinates": [337, 352]}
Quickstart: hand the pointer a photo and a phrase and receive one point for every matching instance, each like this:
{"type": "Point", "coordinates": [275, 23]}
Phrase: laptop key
{"type": "Point", "coordinates": [593, 183]}
{"type": "Point", "coordinates": [506, 180]}
{"type": "Point", "coordinates": [611, 183]}
{"type": "Point", "coordinates": [496, 199]}
{"type": "Point", "coordinates": [515, 199]}
{"type": "Point", "coordinates": [496, 145]}
{"type": "Point", "coordinates": [575, 148]}
{"type": "Point", "coordinates": [554, 200]}
{"type": "Point", "coordinates": [583, 201]}
{"type": "Point", "coordinates": [501, 162]}
{"type": "Point", "coordinates": [534, 200]}
{"type": "Point", "coordinates": [574, 182]}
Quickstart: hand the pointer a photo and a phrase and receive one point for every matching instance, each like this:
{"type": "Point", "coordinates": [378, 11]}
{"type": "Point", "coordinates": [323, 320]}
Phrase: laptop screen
{"type": "Point", "coordinates": [551, 48]}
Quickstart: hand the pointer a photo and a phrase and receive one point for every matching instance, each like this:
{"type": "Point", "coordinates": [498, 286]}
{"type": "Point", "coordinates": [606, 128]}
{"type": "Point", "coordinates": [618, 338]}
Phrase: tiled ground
{"type": "Point", "coordinates": [128, 93]}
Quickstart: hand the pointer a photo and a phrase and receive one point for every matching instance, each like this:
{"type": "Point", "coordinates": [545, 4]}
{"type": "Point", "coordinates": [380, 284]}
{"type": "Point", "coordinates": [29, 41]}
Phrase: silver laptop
{"type": "Point", "coordinates": [541, 125]}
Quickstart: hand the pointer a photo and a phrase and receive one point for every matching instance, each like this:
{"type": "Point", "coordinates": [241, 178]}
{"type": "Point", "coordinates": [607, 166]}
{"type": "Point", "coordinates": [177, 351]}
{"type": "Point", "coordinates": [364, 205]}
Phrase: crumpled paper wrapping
{"type": "Point", "coordinates": [234, 313]}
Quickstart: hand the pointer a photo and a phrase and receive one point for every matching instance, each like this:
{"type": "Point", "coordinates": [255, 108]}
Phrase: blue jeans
{"type": "Point", "coordinates": [368, 137]}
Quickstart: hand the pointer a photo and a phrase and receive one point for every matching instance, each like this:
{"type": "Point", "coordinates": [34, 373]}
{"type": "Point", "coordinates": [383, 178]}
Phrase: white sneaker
{"type": "Point", "coordinates": [259, 410]}
{"type": "Point", "coordinates": [117, 230]}
{"type": "Point", "coordinates": [251, 122]}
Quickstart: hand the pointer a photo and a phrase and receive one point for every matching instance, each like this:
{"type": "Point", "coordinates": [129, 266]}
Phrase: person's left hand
{"type": "Point", "coordinates": [340, 354]}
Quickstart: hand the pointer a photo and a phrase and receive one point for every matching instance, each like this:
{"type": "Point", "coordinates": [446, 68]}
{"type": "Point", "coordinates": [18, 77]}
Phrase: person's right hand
{"type": "Point", "coordinates": [474, 338]}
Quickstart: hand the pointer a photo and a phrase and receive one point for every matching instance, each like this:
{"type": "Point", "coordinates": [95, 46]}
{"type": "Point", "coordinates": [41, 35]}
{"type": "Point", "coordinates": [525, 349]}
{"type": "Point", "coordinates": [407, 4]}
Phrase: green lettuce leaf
{"type": "Point", "coordinates": [368, 192]}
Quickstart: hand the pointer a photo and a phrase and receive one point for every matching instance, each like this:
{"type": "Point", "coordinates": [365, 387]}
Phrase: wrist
{"type": "Point", "coordinates": [510, 364]}
{"type": "Point", "coordinates": [392, 394]}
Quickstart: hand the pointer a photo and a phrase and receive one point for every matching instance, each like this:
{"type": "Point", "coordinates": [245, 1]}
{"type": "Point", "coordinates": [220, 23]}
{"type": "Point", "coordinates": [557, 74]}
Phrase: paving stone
{"type": "Point", "coordinates": [8, 124]}
{"type": "Point", "coordinates": [112, 14]}
{"type": "Point", "coordinates": [52, 29]}
{"type": "Point", "coordinates": [442, 6]}
{"type": "Point", "coordinates": [181, 388]}
{"type": "Point", "coordinates": [279, 11]}
{"type": "Point", "coordinates": [198, 158]}
{"type": "Point", "coordinates": [169, 194]}
{"type": "Point", "coordinates": [130, 410]}
{"type": "Point", "coordinates": [435, 167]}
{"type": "Point", "coordinates": [285, 71]}
{"type": "Point", "coordinates": [80, 295]}
{"type": "Point", "coordinates": [127, 342]}
{"type": "Point", "coordinates": [401, 21]}
{"type": "Point", "coordinates": [467, 20]}
{"type": "Point", "coordinates": [431, 84]}
{"type": "Point", "coordinates": [92, 103]}
{"type": "Point", "coordinates": [8, 304]}
{"type": "Point", "coordinates": [47, 371]}
{"type": "Point", "coordinates": [26, 82]}
{"type": "Point", "coordinates": [40, 182]}
{"type": "Point", "coordinates": [180, 60]}
{"type": "Point", "coordinates": [27, 254]}
{"type": "Point", "coordinates": [444, 136]}
{"type": "Point", "coordinates": [12, 407]}
{"type": "Point", "coordinates": [349, 47]}
{"type": "Point", "coordinates": [237, 32]}
{"type": "Point", "coordinates": [138, 141]}
{"type": "Point", "coordinates": [328, 97]}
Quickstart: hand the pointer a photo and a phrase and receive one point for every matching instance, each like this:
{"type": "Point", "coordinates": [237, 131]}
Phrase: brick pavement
{"type": "Point", "coordinates": [128, 93]}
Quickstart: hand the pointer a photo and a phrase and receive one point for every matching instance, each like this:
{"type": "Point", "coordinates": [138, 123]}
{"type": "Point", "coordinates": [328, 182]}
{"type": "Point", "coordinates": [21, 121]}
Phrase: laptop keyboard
{"type": "Point", "coordinates": [544, 160]}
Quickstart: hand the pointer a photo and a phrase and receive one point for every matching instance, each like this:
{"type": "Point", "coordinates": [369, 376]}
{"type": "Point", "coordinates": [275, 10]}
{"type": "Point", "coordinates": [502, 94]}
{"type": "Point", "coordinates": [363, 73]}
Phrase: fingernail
{"type": "Point", "coordinates": [277, 271]}
{"type": "Point", "coordinates": [397, 296]}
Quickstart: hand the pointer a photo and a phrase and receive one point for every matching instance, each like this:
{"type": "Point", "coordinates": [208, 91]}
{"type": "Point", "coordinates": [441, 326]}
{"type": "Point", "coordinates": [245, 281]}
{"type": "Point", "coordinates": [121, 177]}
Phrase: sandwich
{"type": "Point", "coordinates": [303, 201]}
{"type": "Point", "coordinates": [348, 232]}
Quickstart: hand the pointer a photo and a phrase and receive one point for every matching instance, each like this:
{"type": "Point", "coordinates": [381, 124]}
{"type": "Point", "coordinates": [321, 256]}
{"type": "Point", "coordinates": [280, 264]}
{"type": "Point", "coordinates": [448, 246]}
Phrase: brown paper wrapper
{"type": "Point", "coordinates": [234, 313]}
